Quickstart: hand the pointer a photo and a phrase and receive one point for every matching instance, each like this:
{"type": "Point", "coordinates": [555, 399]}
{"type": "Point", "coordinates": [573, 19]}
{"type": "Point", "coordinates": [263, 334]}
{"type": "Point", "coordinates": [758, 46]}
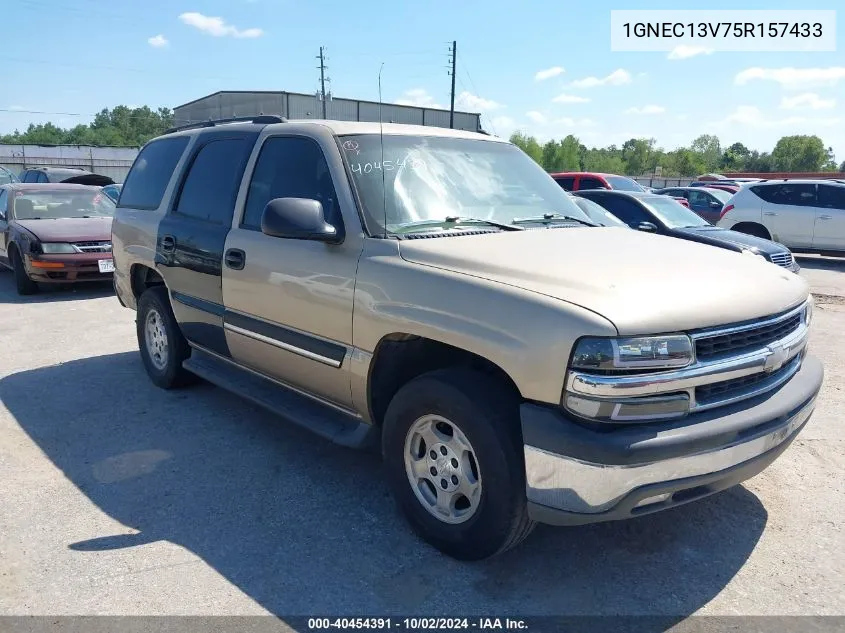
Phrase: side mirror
{"type": "Point", "coordinates": [647, 226]}
{"type": "Point", "coordinates": [297, 219]}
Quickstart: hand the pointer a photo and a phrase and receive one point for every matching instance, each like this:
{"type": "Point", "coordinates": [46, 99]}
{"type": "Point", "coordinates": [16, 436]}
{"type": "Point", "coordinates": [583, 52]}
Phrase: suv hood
{"type": "Point", "coordinates": [69, 229]}
{"type": "Point", "coordinates": [642, 283]}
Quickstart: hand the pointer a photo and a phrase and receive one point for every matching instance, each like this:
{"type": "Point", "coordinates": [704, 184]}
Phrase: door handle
{"type": "Point", "coordinates": [769, 213]}
{"type": "Point", "coordinates": [235, 258]}
{"type": "Point", "coordinates": [825, 217]}
{"type": "Point", "coordinates": [168, 243]}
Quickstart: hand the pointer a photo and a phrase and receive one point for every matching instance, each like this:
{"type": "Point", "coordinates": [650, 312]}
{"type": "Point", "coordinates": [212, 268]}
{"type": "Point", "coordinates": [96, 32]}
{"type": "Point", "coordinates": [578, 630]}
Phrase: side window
{"type": "Point", "coordinates": [698, 198]}
{"type": "Point", "coordinates": [211, 186]}
{"type": "Point", "coordinates": [290, 167]}
{"type": "Point", "coordinates": [567, 183]}
{"type": "Point", "coordinates": [147, 180]}
{"type": "Point", "coordinates": [42, 177]}
{"type": "Point", "coordinates": [627, 211]}
{"type": "Point", "coordinates": [590, 183]}
{"type": "Point", "coordinates": [830, 197]}
{"type": "Point", "coordinates": [29, 176]}
{"type": "Point", "coordinates": [3, 202]}
{"type": "Point", "coordinates": [788, 193]}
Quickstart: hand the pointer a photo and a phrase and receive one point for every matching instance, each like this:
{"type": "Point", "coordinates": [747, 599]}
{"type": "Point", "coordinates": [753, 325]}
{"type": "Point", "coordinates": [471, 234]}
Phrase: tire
{"type": "Point", "coordinates": [486, 415]}
{"type": "Point", "coordinates": [753, 229]}
{"type": "Point", "coordinates": [23, 284]}
{"type": "Point", "coordinates": [168, 348]}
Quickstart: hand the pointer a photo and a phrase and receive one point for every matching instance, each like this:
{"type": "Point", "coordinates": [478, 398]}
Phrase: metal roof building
{"type": "Point", "coordinates": [294, 105]}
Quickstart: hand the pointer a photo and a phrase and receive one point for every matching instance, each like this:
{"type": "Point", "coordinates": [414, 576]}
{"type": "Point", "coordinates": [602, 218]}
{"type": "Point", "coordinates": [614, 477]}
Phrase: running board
{"type": "Point", "coordinates": [324, 420]}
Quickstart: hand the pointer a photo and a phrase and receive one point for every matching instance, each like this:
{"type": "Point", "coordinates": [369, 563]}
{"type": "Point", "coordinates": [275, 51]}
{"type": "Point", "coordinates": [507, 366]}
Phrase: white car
{"type": "Point", "coordinates": [804, 215]}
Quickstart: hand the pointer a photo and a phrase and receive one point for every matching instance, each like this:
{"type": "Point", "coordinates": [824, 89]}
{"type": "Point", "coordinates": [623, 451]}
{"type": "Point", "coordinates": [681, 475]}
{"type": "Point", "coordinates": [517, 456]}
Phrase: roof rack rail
{"type": "Point", "coordinates": [265, 119]}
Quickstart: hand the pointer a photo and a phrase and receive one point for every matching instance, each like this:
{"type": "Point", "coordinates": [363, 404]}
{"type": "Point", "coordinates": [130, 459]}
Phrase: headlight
{"type": "Point", "coordinates": [652, 352]}
{"type": "Point", "coordinates": [55, 248]}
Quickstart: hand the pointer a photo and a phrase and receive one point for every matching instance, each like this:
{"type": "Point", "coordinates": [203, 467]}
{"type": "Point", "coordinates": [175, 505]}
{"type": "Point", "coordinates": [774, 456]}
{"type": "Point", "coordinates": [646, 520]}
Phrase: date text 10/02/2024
{"type": "Point", "coordinates": [419, 624]}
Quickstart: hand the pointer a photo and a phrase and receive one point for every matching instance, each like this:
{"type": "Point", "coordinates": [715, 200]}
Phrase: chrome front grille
{"type": "Point", "coordinates": [102, 246]}
{"type": "Point", "coordinates": [782, 259]}
{"type": "Point", "coordinates": [741, 338]}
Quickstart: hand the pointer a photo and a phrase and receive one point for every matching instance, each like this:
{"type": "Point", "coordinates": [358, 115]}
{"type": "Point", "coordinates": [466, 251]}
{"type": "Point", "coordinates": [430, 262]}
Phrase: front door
{"type": "Point", "coordinates": [829, 230]}
{"type": "Point", "coordinates": [789, 212]}
{"type": "Point", "coordinates": [191, 236]}
{"type": "Point", "coordinates": [288, 301]}
{"type": "Point", "coordinates": [700, 202]}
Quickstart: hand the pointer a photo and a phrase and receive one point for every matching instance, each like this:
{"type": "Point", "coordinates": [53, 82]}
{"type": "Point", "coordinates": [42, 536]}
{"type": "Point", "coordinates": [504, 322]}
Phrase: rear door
{"type": "Point", "coordinates": [789, 212]}
{"type": "Point", "coordinates": [192, 234]}
{"type": "Point", "coordinates": [829, 230]}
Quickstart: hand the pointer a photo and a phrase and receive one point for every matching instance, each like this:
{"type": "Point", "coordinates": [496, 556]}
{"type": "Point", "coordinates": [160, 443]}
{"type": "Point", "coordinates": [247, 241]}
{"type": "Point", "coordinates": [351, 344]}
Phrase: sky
{"type": "Point", "coordinates": [545, 68]}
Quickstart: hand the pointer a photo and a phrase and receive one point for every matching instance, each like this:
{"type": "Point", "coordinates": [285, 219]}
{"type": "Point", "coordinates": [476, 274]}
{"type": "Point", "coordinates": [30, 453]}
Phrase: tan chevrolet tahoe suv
{"type": "Point", "coordinates": [433, 294]}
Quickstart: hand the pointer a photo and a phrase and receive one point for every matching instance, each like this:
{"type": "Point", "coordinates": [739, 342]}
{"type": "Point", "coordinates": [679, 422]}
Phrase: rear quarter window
{"type": "Point", "coordinates": [147, 180]}
{"type": "Point", "coordinates": [567, 182]}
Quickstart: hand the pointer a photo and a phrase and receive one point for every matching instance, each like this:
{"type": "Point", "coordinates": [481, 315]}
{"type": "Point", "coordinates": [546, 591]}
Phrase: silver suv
{"type": "Point", "coordinates": [436, 295]}
{"type": "Point", "coordinates": [805, 215]}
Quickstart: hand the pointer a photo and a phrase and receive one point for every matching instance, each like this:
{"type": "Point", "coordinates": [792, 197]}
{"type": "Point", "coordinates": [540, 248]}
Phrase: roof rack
{"type": "Point", "coordinates": [263, 119]}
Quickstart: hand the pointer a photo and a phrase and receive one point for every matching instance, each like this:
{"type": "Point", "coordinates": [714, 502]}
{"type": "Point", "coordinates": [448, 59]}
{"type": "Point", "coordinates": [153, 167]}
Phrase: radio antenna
{"type": "Point", "coordinates": [381, 142]}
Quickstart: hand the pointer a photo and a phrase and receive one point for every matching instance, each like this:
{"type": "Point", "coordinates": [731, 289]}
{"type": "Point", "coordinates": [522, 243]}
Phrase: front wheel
{"type": "Point", "coordinates": [454, 459]}
{"type": "Point", "coordinates": [163, 347]}
{"type": "Point", "coordinates": [23, 284]}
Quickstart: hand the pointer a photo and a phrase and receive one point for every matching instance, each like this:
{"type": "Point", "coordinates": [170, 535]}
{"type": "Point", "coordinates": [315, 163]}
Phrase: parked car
{"type": "Point", "coordinates": [705, 201]}
{"type": "Point", "coordinates": [69, 175]}
{"type": "Point", "coordinates": [113, 191]}
{"type": "Point", "coordinates": [579, 181]}
{"type": "Point", "coordinates": [506, 376]}
{"type": "Point", "coordinates": [662, 215]}
{"type": "Point", "coordinates": [806, 215]}
{"type": "Point", "coordinates": [7, 176]}
{"type": "Point", "coordinates": [55, 233]}
{"type": "Point", "coordinates": [730, 187]}
{"type": "Point", "coordinates": [597, 213]}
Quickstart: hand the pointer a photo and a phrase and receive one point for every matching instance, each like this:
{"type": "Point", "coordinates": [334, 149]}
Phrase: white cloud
{"type": "Point", "coordinates": [418, 97]}
{"type": "Point", "coordinates": [618, 77]}
{"type": "Point", "coordinates": [158, 41]}
{"type": "Point", "coordinates": [548, 73]}
{"type": "Point", "coordinates": [684, 51]}
{"type": "Point", "coordinates": [649, 109]}
{"type": "Point", "coordinates": [565, 98]}
{"type": "Point", "coordinates": [474, 103]}
{"type": "Point", "coordinates": [793, 78]}
{"type": "Point", "coordinates": [217, 26]}
{"type": "Point", "coordinates": [808, 100]}
{"type": "Point", "coordinates": [752, 116]}
{"type": "Point", "coordinates": [570, 122]}
{"type": "Point", "coordinates": [537, 117]}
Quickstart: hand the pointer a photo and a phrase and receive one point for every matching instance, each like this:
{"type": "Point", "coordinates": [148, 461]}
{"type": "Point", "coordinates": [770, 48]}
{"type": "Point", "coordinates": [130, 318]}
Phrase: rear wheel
{"type": "Point", "coordinates": [750, 228]}
{"type": "Point", "coordinates": [453, 454]}
{"type": "Point", "coordinates": [23, 284]}
{"type": "Point", "coordinates": [163, 347]}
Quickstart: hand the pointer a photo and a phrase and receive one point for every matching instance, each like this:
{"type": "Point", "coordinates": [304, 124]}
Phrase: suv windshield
{"type": "Point", "coordinates": [624, 184]}
{"type": "Point", "coordinates": [431, 178]}
{"type": "Point", "coordinates": [61, 203]}
{"type": "Point", "coordinates": [674, 214]}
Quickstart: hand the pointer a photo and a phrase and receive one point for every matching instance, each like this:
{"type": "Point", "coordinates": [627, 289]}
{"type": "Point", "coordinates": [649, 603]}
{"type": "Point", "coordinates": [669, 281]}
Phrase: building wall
{"type": "Point", "coordinates": [113, 162]}
{"type": "Point", "coordinates": [301, 106]}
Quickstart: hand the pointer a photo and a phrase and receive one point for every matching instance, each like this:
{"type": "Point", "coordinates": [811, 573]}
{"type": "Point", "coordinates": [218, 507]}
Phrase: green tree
{"type": "Point", "coordinates": [758, 163]}
{"type": "Point", "coordinates": [709, 151]}
{"type": "Point", "coordinates": [119, 126]}
{"type": "Point", "coordinates": [799, 153]}
{"type": "Point", "coordinates": [529, 145]}
{"type": "Point", "coordinates": [735, 157]}
{"type": "Point", "coordinates": [637, 154]}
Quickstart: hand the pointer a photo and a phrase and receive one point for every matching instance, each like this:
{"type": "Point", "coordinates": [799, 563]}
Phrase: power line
{"type": "Point", "coordinates": [453, 59]}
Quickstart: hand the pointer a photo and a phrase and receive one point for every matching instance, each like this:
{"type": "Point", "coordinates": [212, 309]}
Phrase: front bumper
{"type": "Point", "coordinates": [70, 268]}
{"type": "Point", "coordinates": [577, 475]}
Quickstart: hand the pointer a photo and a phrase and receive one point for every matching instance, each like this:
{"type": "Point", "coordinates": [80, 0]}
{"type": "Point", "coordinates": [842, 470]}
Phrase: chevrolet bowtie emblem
{"type": "Point", "coordinates": [776, 358]}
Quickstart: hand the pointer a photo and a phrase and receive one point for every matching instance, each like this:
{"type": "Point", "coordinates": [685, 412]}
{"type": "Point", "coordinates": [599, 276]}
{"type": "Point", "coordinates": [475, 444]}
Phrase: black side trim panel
{"type": "Point", "coordinates": [199, 304]}
{"type": "Point", "coordinates": [332, 351]}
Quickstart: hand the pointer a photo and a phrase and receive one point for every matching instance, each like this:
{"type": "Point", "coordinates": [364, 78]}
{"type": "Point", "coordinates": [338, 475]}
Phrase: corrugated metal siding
{"type": "Point", "coordinates": [299, 106]}
{"type": "Point", "coordinates": [113, 162]}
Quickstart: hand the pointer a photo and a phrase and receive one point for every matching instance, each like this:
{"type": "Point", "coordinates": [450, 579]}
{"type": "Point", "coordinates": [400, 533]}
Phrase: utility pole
{"type": "Point", "coordinates": [454, 53]}
{"type": "Point", "coordinates": [322, 59]}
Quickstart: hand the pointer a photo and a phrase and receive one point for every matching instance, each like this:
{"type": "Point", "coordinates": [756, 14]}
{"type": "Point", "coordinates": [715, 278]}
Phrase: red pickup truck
{"type": "Point", "coordinates": [580, 180]}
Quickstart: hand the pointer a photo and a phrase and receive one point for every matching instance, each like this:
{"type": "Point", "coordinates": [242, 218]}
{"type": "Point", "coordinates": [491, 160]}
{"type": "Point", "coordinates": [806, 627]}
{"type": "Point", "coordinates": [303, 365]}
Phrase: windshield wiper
{"type": "Point", "coordinates": [546, 217]}
{"type": "Point", "coordinates": [453, 220]}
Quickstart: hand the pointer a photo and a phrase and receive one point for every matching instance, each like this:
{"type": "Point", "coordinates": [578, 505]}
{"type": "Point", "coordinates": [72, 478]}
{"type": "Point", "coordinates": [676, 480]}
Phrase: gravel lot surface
{"type": "Point", "coordinates": [118, 498]}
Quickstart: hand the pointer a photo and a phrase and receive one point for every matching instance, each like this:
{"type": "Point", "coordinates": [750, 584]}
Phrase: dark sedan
{"type": "Point", "coordinates": [55, 233]}
{"type": "Point", "coordinates": [661, 214]}
{"type": "Point", "coordinates": [705, 201]}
